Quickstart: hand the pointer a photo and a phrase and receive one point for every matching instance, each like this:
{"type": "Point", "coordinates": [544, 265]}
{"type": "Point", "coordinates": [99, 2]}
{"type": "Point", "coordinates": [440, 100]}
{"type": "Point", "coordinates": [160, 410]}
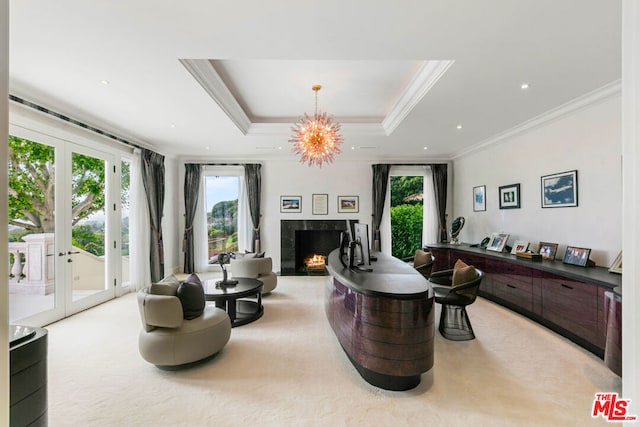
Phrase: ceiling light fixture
{"type": "Point", "coordinates": [524, 86]}
{"type": "Point", "coordinates": [316, 139]}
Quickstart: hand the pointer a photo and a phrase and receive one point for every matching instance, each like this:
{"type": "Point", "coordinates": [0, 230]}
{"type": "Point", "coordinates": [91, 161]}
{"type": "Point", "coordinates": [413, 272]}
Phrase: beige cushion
{"type": "Point", "coordinates": [167, 286]}
{"type": "Point", "coordinates": [463, 275]}
{"type": "Point", "coordinates": [459, 264]}
{"type": "Point", "coordinates": [421, 258]}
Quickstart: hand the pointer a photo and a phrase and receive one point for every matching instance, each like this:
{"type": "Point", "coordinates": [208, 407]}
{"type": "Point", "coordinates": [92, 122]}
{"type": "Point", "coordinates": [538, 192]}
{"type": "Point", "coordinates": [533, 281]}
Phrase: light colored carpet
{"type": "Point", "coordinates": [287, 369]}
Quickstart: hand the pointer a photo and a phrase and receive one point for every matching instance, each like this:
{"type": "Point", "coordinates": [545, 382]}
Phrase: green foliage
{"type": "Point", "coordinates": [16, 234]}
{"type": "Point", "coordinates": [31, 172]}
{"type": "Point", "coordinates": [405, 186]}
{"type": "Point", "coordinates": [406, 227]}
{"type": "Point", "coordinates": [224, 216]}
{"type": "Point", "coordinates": [88, 237]}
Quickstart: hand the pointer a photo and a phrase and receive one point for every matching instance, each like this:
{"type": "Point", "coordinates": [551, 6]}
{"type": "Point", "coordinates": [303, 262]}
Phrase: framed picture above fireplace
{"type": "Point", "coordinates": [348, 204]}
{"type": "Point", "coordinates": [291, 204]}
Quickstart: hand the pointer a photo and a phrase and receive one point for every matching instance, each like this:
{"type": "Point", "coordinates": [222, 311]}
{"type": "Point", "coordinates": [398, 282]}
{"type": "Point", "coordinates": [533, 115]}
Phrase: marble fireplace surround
{"type": "Point", "coordinates": [289, 243]}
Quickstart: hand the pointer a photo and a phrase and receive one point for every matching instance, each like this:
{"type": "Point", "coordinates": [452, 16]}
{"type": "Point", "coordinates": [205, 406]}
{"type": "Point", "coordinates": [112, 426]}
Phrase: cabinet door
{"type": "Point", "coordinates": [572, 305]}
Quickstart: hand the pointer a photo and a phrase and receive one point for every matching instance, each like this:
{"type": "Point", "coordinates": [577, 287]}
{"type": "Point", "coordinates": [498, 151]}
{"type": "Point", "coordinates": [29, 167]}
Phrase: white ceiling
{"type": "Point", "coordinates": [227, 78]}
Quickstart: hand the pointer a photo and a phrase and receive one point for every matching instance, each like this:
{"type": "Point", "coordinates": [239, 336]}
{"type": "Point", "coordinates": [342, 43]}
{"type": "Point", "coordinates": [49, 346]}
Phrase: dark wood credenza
{"type": "Point", "coordinates": [384, 320]}
{"type": "Point", "coordinates": [565, 298]}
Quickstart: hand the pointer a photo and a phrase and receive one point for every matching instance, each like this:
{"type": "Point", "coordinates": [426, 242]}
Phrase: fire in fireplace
{"type": "Point", "coordinates": [314, 262]}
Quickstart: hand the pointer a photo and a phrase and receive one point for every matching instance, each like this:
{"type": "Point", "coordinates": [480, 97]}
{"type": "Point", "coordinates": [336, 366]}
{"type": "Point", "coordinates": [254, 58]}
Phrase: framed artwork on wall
{"type": "Point", "coordinates": [559, 190]}
{"type": "Point", "coordinates": [509, 196]}
{"type": "Point", "coordinates": [479, 202]}
{"type": "Point", "coordinates": [548, 250]}
{"type": "Point", "coordinates": [320, 204]}
{"type": "Point", "coordinates": [290, 204]}
{"type": "Point", "coordinates": [348, 204]}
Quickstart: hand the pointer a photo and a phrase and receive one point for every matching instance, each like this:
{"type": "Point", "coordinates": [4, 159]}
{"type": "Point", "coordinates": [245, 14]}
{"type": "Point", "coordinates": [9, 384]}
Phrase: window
{"type": "Point", "coordinates": [406, 212]}
{"type": "Point", "coordinates": [221, 196]}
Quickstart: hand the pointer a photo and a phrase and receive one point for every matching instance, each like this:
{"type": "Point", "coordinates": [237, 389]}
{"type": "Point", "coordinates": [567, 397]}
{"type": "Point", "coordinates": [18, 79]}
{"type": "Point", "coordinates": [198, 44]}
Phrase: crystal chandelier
{"type": "Point", "coordinates": [316, 139]}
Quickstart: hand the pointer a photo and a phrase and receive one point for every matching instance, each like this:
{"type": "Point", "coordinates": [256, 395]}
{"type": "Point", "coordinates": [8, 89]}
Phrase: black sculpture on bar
{"type": "Point", "coordinates": [224, 257]}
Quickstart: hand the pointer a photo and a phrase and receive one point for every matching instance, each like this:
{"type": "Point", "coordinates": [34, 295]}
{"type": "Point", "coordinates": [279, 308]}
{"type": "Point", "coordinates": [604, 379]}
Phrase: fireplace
{"type": "Point", "coordinates": [301, 240]}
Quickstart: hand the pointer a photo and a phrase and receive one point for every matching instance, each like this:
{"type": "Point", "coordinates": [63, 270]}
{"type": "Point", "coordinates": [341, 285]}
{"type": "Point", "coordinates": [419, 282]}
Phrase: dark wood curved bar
{"type": "Point", "coordinates": [384, 320]}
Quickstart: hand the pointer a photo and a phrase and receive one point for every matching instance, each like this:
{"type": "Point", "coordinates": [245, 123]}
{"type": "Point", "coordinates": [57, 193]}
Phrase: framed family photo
{"type": "Point", "coordinates": [290, 204]}
{"type": "Point", "coordinates": [348, 204]}
{"type": "Point", "coordinates": [548, 250]}
{"type": "Point", "coordinates": [497, 242]}
{"type": "Point", "coordinates": [479, 202]}
{"type": "Point", "coordinates": [559, 190]}
{"type": "Point", "coordinates": [577, 256]}
{"type": "Point", "coordinates": [509, 196]}
{"type": "Point", "coordinates": [519, 246]}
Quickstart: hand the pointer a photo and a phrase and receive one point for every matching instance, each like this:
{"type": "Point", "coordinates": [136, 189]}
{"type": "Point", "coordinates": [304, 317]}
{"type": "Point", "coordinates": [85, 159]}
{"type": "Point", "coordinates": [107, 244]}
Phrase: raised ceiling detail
{"type": "Point", "coordinates": [266, 97]}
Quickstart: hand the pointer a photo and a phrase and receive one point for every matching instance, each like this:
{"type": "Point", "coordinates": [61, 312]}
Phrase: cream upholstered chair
{"type": "Point", "coordinates": [168, 339]}
{"type": "Point", "coordinates": [255, 268]}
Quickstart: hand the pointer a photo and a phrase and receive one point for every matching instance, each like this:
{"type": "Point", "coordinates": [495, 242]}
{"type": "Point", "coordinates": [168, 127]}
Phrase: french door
{"type": "Point", "coordinates": [70, 260]}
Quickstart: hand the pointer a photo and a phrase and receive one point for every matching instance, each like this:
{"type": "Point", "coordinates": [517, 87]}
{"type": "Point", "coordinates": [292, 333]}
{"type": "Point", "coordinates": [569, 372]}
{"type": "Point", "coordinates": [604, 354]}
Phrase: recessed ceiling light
{"type": "Point", "coordinates": [206, 148]}
{"type": "Point", "coordinates": [280, 148]}
{"type": "Point", "coordinates": [353, 148]}
{"type": "Point", "coordinates": [105, 82]}
{"type": "Point", "coordinates": [424, 148]}
{"type": "Point", "coordinates": [173, 125]}
{"type": "Point", "coordinates": [524, 86]}
{"type": "Point", "coordinates": [459, 127]}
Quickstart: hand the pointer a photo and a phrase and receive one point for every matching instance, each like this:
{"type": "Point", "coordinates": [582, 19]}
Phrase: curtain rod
{"type": "Point", "coordinates": [73, 121]}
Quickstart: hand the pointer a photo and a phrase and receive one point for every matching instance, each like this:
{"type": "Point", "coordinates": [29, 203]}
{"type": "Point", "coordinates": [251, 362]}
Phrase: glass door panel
{"type": "Point", "coordinates": [32, 168]}
{"type": "Point", "coordinates": [88, 252]}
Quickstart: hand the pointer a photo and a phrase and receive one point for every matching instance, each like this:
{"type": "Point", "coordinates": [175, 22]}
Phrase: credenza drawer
{"type": "Point", "coordinates": [513, 290]}
{"type": "Point", "coordinates": [572, 305]}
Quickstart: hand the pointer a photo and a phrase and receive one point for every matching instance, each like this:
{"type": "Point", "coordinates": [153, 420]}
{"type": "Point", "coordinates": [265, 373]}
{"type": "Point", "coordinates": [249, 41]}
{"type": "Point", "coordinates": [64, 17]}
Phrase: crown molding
{"type": "Point", "coordinates": [605, 92]}
{"type": "Point", "coordinates": [426, 77]}
{"type": "Point", "coordinates": [204, 73]}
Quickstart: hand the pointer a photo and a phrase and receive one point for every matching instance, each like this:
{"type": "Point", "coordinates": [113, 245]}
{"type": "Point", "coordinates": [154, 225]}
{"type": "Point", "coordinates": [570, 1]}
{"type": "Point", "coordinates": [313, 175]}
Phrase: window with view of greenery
{"type": "Point", "coordinates": [406, 215]}
{"type": "Point", "coordinates": [222, 214]}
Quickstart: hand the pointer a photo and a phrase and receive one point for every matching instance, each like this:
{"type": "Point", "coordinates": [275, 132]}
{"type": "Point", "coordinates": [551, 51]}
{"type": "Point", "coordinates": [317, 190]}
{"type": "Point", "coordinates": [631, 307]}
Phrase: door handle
{"type": "Point", "coordinates": [71, 253]}
{"type": "Point", "coordinates": [61, 254]}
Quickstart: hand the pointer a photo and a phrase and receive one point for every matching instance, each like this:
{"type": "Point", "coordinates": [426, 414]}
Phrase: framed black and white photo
{"type": "Point", "coordinates": [509, 196]}
{"type": "Point", "coordinates": [291, 204]}
{"type": "Point", "coordinates": [479, 202]}
{"type": "Point", "coordinates": [577, 256]}
{"type": "Point", "coordinates": [559, 190]}
{"type": "Point", "coordinates": [320, 204]}
{"type": "Point", "coordinates": [497, 242]}
{"type": "Point", "coordinates": [348, 204]}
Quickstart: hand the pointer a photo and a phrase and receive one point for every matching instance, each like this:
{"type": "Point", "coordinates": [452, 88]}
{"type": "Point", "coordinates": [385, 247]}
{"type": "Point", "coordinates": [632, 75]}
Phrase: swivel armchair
{"type": "Point", "coordinates": [455, 289]}
{"type": "Point", "coordinates": [255, 268]}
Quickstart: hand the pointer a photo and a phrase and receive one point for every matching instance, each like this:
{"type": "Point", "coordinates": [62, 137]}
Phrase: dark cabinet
{"type": "Point", "coordinates": [568, 299]}
{"type": "Point", "coordinates": [572, 305]}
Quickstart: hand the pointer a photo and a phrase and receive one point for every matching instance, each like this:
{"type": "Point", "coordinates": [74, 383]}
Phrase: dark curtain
{"type": "Point", "coordinates": [192, 176]}
{"type": "Point", "coordinates": [440, 189]}
{"type": "Point", "coordinates": [380, 180]}
{"type": "Point", "coordinates": [253, 182]}
{"type": "Point", "coordinates": [153, 180]}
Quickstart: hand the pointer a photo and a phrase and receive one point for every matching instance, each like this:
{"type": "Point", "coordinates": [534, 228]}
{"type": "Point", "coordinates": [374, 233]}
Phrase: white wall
{"type": "Point", "coordinates": [631, 203]}
{"type": "Point", "coordinates": [587, 140]}
{"type": "Point", "coordinates": [292, 178]}
{"type": "Point", "coordinates": [4, 268]}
